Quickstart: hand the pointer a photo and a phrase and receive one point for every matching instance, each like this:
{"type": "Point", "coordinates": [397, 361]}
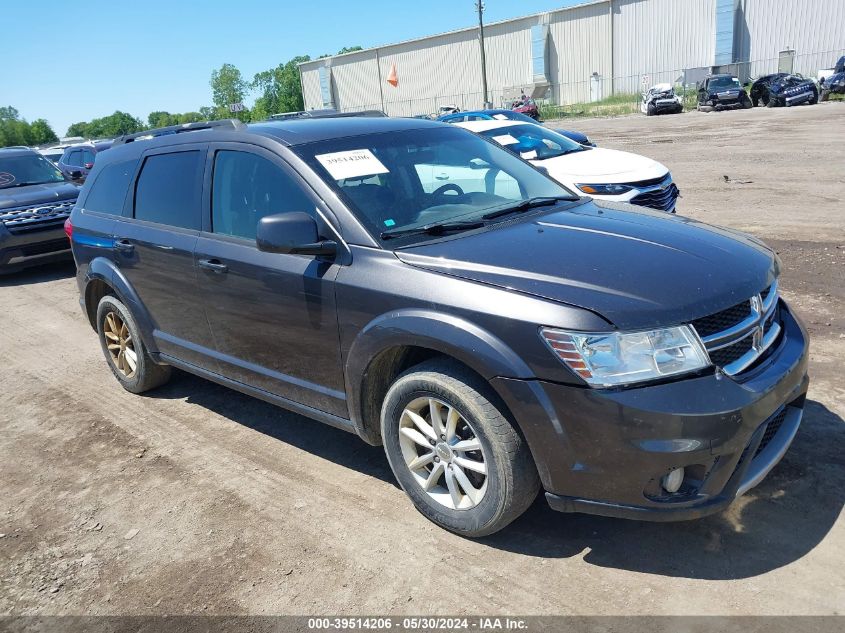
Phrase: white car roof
{"type": "Point", "coordinates": [661, 87]}
{"type": "Point", "coordinates": [482, 126]}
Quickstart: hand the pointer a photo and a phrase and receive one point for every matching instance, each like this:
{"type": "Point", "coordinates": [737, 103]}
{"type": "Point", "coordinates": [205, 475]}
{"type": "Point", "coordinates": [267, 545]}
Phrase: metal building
{"type": "Point", "coordinates": [582, 53]}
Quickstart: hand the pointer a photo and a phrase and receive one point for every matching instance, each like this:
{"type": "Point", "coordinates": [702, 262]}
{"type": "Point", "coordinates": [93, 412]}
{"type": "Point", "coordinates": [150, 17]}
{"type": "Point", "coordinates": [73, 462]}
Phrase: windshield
{"type": "Point", "coordinates": [418, 178]}
{"type": "Point", "coordinates": [27, 169]}
{"type": "Point", "coordinates": [531, 141]}
{"type": "Point", "coordinates": [724, 82]}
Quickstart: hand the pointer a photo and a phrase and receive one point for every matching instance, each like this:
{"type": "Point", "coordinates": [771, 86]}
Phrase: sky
{"type": "Point", "coordinates": [75, 61]}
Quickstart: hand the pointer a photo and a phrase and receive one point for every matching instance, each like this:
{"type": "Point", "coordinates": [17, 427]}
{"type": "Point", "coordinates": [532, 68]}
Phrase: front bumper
{"type": "Point", "coordinates": [603, 451]}
{"type": "Point", "coordinates": [19, 251]}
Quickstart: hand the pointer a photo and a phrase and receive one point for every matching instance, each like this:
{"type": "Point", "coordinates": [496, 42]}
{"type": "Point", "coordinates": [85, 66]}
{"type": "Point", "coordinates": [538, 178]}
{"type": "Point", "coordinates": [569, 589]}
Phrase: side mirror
{"type": "Point", "coordinates": [75, 174]}
{"type": "Point", "coordinates": [293, 233]}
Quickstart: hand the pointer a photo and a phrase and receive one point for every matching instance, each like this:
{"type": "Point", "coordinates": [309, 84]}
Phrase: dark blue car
{"type": "Point", "coordinates": [489, 115]}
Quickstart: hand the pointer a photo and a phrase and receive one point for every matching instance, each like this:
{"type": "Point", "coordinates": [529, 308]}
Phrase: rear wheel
{"type": "Point", "coordinates": [454, 452]}
{"type": "Point", "coordinates": [124, 350]}
{"type": "Point", "coordinates": [651, 110]}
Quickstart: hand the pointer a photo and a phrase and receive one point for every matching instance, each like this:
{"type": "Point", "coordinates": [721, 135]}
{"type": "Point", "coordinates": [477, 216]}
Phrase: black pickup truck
{"type": "Point", "coordinates": [35, 201]}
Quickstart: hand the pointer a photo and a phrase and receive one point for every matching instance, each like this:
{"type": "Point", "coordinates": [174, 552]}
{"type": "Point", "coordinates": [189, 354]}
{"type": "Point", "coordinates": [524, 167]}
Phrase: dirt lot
{"type": "Point", "coordinates": [196, 499]}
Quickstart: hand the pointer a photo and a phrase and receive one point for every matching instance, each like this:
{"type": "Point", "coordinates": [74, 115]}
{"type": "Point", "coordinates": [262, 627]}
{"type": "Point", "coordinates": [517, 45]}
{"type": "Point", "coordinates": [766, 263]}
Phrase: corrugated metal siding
{"type": "Point", "coordinates": [580, 46]}
{"type": "Point", "coordinates": [661, 38]}
{"type": "Point", "coordinates": [814, 29]}
{"type": "Point", "coordinates": [311, 87]}
{"type": "Point", "coordinates": [658, 38]}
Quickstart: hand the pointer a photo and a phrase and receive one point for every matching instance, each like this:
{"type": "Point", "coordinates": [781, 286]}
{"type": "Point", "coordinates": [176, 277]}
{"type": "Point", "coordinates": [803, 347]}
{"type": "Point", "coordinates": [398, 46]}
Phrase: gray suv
{"type": "Point", "coordinates": [497, 333]}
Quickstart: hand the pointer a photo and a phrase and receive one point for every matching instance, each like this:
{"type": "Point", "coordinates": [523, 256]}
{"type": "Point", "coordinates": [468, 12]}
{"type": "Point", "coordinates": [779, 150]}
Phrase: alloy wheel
{"type": "Point", "coordinates": [443, 453]}
{"type": "Point", "coordinates": [120, 344]}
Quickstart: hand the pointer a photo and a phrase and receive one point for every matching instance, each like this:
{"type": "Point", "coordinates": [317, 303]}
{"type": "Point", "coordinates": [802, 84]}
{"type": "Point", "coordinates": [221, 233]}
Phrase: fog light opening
{"type": "Point", "coordinates": [672, 481]}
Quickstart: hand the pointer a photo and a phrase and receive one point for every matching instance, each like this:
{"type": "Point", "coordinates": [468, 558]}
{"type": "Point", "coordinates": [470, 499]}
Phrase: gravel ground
{"type": "Point", "coordinates": [196, 499]}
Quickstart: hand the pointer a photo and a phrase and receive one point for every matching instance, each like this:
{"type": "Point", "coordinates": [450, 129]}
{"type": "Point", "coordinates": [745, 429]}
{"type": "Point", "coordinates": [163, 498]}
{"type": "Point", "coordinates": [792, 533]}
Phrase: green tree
{"type": "Point", "coordinates": [8, 113]}
{"type": "Point", "coordinates": [227, 87]}
{"type": "Point", "coordinates": [42, 133]}
{"type": "Point", "coordinates": [78, 129]}
{"type": "Point", "coordinates": [280, 88]}
{"type": "Point", "coordinates": [159, 118]}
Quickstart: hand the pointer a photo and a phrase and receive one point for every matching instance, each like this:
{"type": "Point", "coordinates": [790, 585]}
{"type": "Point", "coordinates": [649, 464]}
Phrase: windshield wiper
{"type": "Point", "coordinates": [525, 205]}
{"type": "Point", "coordinates": [434, 229]}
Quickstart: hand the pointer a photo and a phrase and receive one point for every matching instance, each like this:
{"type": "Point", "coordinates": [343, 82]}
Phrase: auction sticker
{"type": "Point", "coordinates": [6, 178]}
{"type": "Point", "coordinates": [352, 164]}
{"type": "Point", "coordinates": [505, 139]}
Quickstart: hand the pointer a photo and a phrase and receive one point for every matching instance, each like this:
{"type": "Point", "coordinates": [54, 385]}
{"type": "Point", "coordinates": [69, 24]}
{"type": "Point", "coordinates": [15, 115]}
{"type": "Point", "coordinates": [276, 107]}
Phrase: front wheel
{"type": "Point", "coordinates": [651, 110]}
{"type": "Point", "coordinates": [454, 451]}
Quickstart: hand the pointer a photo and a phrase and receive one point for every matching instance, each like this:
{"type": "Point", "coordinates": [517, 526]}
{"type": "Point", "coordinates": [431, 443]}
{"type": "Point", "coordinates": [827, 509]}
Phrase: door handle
{"type": "Point", "coordinates": [442, 176]}
{"type": "Point", "coordinates": [124, 245]}
{"type": "Point", "coordinates": [214, 265]}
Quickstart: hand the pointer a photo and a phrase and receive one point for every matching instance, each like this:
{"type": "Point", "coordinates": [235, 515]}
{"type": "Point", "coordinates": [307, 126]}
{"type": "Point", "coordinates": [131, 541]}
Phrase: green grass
{"type": "Point", "coordinates": [615, 105]}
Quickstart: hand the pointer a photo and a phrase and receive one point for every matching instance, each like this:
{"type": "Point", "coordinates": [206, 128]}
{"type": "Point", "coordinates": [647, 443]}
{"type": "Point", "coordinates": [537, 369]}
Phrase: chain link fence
{"type": "Point", "coordinates": [607, 96]}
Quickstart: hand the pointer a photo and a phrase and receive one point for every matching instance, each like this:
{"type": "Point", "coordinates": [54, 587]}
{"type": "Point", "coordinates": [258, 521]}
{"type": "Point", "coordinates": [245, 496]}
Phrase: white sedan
{"type": "Point", "coordinates": [601, 173]}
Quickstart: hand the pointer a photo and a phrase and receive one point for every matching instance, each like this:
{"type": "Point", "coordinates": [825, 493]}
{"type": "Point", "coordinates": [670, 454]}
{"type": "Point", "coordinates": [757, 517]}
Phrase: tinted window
{"type": "Point", "coordinates": [168, 190]}
{"type": "Point", "coordinates": [27, 169]}
{"type": "Point", "coordinates": [248, 187]}
{"type": "Point", "coordinates": [87, 157]}
{"type": "Point", "coordinates": [108, 192]}
{"type": "Point", "coordinates": [74, 158]}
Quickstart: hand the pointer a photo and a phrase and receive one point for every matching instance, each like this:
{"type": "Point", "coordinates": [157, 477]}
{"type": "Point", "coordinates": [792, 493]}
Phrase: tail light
{"type": "Point", "coordinates": [68, 229]}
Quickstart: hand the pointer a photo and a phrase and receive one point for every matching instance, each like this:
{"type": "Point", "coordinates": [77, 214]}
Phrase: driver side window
{"type": "Point", "coordinates": [245, 188]}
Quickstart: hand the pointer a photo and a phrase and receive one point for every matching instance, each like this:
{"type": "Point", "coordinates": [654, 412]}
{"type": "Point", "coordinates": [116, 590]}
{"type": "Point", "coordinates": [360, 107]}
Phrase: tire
{"type": "Point", "coordinates": [755, 102]}
{"type": "Point", "coordinates": [746, 104]}
{"type": "Point", "coordinates": [824, 95]}
{"type": "Point", "coordinates": [510, 483]}
{"type": "Point", "coordinates": [117, 327]}
{"type": "Point", "coordinates": [814, 99]}
{"type": "Point", "coordinates": [651, 110]}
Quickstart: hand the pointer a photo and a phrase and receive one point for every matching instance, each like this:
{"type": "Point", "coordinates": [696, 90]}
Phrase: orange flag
{"type": "Point", "coordinates": [392, 77]}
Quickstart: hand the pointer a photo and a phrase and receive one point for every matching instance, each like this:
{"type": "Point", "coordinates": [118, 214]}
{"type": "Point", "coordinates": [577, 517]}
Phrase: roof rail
{"type": "Point", "coordinates": [234, 124]}
{"type": "Point", "coordinates": [16, 147]}
{"type": "Point", "coordinates": [324, 114]}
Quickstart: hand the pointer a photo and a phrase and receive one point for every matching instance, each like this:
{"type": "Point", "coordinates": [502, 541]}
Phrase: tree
{"type": "Point", "coordinates": [42, 133]}
{"type": "Point", "coordinates": [227, 87]}
{"type": "Point", "coordinates": [8, 113]}
{"type": "Point", "coordinates": [77, 129]}
{"type": "Point", "coordinates": [280, 87]}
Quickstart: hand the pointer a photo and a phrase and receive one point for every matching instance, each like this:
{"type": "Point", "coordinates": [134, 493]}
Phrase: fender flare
{"type": "Point", "coordinates": [104, 270]}
{"type": "Point", "coordinates": [475, 347]}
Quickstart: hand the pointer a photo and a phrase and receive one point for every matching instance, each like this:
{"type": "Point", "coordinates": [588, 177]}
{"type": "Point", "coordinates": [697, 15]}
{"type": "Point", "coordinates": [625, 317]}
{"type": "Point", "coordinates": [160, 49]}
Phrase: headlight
{"type": "Point", "coordinates": [605, 190]}
{"type": "Point", "coordinates": [619, 358]}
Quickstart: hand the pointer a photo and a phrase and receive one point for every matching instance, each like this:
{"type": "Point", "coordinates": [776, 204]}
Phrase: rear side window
{"type": "Point", "coordinates": [108, 193]}
{"type": "Point", "coordinates": [74, 158]}
{"type": "Point", "coordinates": [246, 188]}
{"type": "Point", "coordinates": [87, 157]}
{"type": "Point", "coordinates": [168, 190]}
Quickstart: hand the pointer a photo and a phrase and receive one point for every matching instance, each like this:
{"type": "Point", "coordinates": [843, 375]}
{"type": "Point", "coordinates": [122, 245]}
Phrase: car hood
{"type": "Point", "coordinates": [37, 194]}
{"type": "Point", "coordinates": [606, 165]}
{"type": "Point", "coordinates": [634, 267]}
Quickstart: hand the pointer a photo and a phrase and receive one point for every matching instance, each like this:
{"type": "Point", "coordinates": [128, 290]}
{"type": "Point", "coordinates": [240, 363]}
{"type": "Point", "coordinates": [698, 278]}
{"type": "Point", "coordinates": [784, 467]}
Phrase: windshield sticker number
{"type": "Point", "coordinates": [500, 117]}
{"type": "Point", "coordinates": [352, 164]}
{"type": "Point", "coordinates": [529, 155]}
{"type": "Point", "coordinates": [505, 139]}
{"type": "Point", "coordinates": [6, 178]}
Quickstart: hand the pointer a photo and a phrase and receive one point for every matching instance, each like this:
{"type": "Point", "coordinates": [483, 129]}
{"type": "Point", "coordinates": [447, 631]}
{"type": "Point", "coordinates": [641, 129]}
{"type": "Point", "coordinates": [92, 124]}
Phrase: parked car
{"type": "Point", "coordinates": [783, 89]}
{"type": "Point", "coordinates": [607, 174]}
{"type": "Point", "coordinates": [832, 82]}
{"type": "Point", "coordinates": [497, 337]}
{"type": "Point", "coordinates": [80, 159]}
{"type": "Point", "coordinates": [661, 99]}
{"type": "Point", "coordinates": [508, 115]}
{"type": "Point", "coordinates": [35, 201]}
{"type": "Point", "coordinates": [53, 154]}
{"type": "Point", "coordinates": [722, 92]}
{"type": "Point", "coordinates": [528, 107]}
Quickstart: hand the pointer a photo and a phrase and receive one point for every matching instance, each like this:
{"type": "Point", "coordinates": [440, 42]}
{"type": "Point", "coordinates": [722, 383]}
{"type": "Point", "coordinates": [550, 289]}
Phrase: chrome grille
{"type": "Point", "coordinates": [656, 193]}
{"type": "Point", "coordinates": [36, 218]}
{"type": "Point", "coordinates": [737, 337]}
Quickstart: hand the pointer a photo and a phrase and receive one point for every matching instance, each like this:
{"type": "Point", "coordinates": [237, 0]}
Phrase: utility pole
{"type": "Point", "coordinates": [479, 5]}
